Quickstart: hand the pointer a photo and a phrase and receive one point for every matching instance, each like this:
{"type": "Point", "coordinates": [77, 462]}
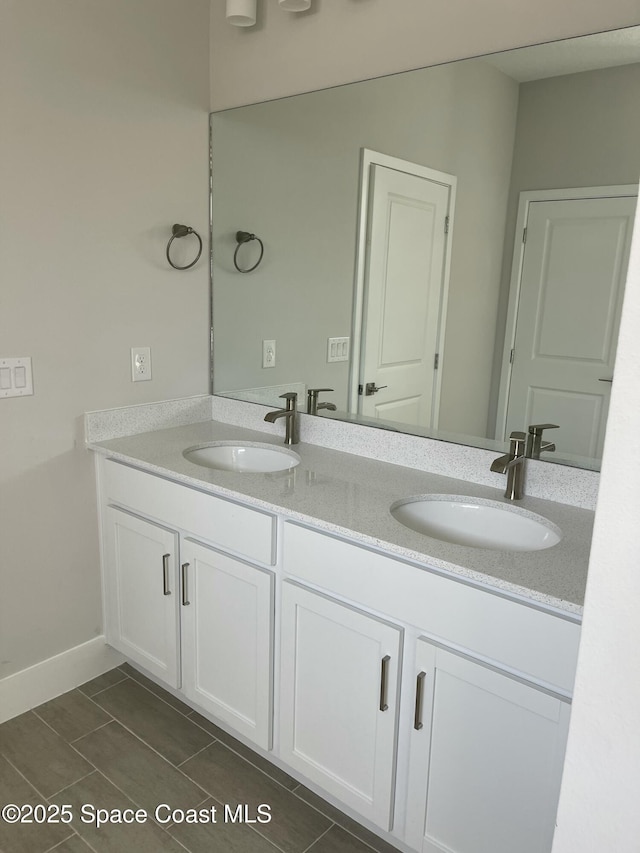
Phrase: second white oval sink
{"type": "Point", "coordinates": [476, 522]}
{"type": "Point", "coordinates": [242, 458]}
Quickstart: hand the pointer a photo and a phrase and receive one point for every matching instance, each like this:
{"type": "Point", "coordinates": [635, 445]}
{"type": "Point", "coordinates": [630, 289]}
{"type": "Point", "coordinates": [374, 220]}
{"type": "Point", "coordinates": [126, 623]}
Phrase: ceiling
{"type": "Point", "coordinates": [603, 50]}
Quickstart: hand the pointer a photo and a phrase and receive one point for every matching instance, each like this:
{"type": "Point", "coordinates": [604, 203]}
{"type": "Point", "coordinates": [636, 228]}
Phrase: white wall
{"type": "Point", "coordinates": [342, 42]}
{"type": "Point", "coordinates": [599, 804]}
{"type": "Point", "coordinates": [339, 42]}
{"type": "Point", "coordinates": [103, 146]}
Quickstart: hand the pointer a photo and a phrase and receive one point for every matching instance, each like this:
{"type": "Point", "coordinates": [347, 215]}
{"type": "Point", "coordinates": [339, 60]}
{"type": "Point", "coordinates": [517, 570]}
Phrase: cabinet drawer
{"type": "Point", "coordinates": [540, 645]}
{"type": "Point", "coordinates": [229, 525]}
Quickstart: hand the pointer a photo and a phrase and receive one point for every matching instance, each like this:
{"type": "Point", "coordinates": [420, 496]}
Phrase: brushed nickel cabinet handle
{"type": "Point", "coordinates": [384, 672]}
{"type": "Point", "coordinates": [165, 574]}
{"type": "Point", "coordinates": [417, 719]}
{"type": "Point", "coordinates": [185, 595]}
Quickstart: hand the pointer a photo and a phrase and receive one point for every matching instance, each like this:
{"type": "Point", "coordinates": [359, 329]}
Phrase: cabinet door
{"type": "Point", "coordinates": [142, 593]}
{"type": "Point", "coordinates": [338, 699]}
{"type": "Point", "coordinates": [227, 634]}
{"type": "Point", "coordinates": [486, 758]}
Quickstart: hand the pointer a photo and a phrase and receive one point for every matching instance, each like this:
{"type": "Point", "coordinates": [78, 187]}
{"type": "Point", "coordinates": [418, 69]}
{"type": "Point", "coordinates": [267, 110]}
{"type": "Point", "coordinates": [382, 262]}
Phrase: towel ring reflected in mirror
{"type": "Point", "coordinates": [183, 231]}
{"type": "Point", "coordinates": [243, 237]}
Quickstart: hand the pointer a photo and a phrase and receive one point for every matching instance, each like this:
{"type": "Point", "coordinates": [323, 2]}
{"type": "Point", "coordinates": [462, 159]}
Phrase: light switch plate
{"type": "Point", "coordinates": [16, 377]}
{"type": "Point", "coordinates": [337, 349]}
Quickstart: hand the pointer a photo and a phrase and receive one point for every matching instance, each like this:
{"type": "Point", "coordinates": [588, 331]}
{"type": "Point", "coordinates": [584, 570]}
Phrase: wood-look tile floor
{"type": "Point", "coordinates": [121, 742]}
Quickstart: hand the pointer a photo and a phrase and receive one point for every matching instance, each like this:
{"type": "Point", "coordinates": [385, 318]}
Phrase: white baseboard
{"type": "Point", "coordinates": [52, 677]}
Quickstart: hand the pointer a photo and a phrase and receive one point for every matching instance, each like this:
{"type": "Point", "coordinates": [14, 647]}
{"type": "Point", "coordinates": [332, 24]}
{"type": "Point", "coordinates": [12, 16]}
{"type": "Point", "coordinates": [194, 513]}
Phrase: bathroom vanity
{"type": "Point", "coordinates": [423, 686]}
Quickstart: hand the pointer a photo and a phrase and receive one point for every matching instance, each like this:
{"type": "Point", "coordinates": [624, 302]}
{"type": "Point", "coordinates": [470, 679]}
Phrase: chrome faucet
{"type": "Point", "coordinates": [292, 430]}
{"type": "Point", "coordinates": [535, 444]}
{"type": "Point", "coordinates": [512, 464]}
{"type": "Point", "coordinates": [312, 401]}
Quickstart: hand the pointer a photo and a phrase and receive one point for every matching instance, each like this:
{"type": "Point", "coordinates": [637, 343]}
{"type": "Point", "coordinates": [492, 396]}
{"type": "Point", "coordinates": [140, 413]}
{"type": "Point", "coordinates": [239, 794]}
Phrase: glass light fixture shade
{"type": "Point", "coordinates": [241, 13]}
{"type": "Point", "coordinates": [294, 5]}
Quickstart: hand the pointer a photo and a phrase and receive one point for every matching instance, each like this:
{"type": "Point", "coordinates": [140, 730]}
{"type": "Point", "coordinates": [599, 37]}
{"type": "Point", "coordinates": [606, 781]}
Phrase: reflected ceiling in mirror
{"type": "Point", "coordinates": [393, 215]}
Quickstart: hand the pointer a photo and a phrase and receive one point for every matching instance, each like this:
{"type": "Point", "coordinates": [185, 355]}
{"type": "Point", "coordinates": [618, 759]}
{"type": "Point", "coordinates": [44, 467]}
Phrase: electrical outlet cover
{"type": "Point", "coordinates": [268, 353]}
{"type": "Point", "coordinates": [140, 364]}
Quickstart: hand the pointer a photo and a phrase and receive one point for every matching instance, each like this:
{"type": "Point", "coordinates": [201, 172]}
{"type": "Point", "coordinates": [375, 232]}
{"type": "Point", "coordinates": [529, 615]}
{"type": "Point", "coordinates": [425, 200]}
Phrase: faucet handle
{"type": "Point", "coordinates": [312, 400]}
{"type": "Point", "coordinates": [291, 397]}
{"type": "Point", "coordinates": [534, 443]}
{"type": "Point", "coordinates": [536, 429]}
{"type": "Point", "coordinates": [517, 441]}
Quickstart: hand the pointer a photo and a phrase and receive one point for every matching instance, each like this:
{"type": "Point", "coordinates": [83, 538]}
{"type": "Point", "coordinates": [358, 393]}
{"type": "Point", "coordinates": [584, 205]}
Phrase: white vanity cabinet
{"type": "Point", "coordinates": [141, 592]}
{"type": "Point", "coordinates": [486, 756]}
{"type": "Point", "coordinates": [435, 709]}
{"type": "Point", "coordinates": [196, 618]}
{"type": "Point", "coordinates": [339, 681]}
{"type": "Point", "coordinates": [227, 639]}
{"type": "Point", "coordinates": [484, 697]}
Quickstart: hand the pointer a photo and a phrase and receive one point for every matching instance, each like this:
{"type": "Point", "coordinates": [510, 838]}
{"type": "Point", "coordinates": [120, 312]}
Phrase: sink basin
{"type": "Point", "coordinates": [244, 458]}
{"type": "Point", "coordinates": [476, 522]}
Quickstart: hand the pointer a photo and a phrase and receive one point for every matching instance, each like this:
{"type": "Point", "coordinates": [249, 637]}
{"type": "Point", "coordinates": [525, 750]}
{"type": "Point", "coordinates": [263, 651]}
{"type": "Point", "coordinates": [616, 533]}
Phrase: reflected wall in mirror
{"type": "Point", "coordinates": [508, 331]}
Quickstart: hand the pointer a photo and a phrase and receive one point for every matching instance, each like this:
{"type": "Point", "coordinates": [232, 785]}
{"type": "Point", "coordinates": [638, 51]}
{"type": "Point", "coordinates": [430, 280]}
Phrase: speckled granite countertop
{"type": "Point", "coordinates": [350, 496]}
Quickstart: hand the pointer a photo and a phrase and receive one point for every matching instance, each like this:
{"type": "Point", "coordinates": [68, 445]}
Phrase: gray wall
{"type": "Point", "coordinates": [590, 133]}
{"type": "Point", "coordinates": [103, 147]}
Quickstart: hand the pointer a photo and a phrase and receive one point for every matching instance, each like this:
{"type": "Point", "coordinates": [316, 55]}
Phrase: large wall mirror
{"type": "Point", "coordinates": [445, 249]}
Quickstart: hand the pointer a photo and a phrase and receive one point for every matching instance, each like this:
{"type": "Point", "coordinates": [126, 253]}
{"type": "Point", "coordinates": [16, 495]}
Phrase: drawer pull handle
{"type": "Point", "coordinates": [384, 673]}
{"type": "Point", "coordinates": [165, 574]}
{"type": "Point", "coordinates": [185, 594]}
{"type": "Point", "coordinates": [417, 720]}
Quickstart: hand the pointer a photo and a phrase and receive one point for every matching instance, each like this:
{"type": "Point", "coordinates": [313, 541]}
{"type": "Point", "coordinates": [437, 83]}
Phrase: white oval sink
{"type": "Point", "coordinates": [243, 458]}
{"type": "Point", "coordinates": [476, 522]}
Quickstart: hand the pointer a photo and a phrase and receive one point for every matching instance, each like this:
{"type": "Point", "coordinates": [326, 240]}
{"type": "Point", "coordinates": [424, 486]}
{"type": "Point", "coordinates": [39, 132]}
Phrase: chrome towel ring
{"type": "Point", "coordinates": [183, 231]}
{"type": "Point", "coordinates": [243, 237]}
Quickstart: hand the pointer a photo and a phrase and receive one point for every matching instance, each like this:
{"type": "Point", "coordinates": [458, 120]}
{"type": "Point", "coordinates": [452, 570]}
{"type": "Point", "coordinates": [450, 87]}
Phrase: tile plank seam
{"type": "Point", "coordinates": [309, 849]}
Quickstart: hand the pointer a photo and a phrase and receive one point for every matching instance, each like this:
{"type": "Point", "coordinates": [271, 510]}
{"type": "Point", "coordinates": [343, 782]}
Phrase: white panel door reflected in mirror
{"type": "Point", "coordinates": [567, 286]}
{"type": "Point", "coordinates": [405, 280]}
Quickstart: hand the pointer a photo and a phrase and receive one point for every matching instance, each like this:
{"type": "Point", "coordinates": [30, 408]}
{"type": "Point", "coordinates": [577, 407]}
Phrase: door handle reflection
{"type": "Point", "coordinates": [371, 388]}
